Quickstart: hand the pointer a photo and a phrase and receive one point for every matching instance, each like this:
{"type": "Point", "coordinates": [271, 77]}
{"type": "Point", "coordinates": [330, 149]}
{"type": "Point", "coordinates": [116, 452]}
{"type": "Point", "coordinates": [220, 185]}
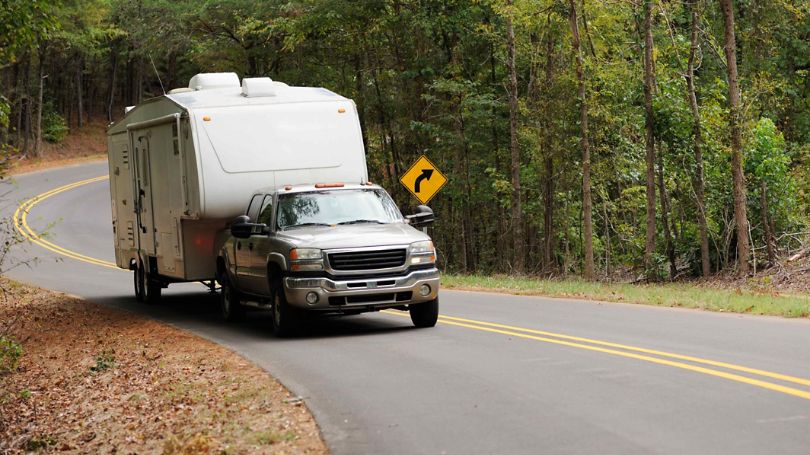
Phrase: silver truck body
{"type": "Point", "coordinates": [368, 284]}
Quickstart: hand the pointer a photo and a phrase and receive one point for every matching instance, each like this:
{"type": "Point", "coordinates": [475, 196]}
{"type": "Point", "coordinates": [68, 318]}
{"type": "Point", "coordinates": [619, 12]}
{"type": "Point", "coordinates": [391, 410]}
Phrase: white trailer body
{"type": "Point", "coordinates": [182, 165]}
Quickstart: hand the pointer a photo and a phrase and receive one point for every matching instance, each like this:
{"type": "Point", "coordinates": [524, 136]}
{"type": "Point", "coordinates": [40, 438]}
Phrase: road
{"type": "Point", "coordinates": [499, 374]}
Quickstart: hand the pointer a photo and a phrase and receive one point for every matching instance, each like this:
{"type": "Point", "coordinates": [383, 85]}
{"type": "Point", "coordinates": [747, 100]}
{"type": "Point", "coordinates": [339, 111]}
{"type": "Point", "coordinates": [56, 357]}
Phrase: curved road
{"type": "Point", "coordinates": [499, 373]}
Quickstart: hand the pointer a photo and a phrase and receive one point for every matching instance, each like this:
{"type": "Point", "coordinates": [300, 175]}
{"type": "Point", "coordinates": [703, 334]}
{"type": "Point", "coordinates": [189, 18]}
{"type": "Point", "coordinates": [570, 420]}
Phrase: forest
{"type": "Point", "coordinates": [611, 139]}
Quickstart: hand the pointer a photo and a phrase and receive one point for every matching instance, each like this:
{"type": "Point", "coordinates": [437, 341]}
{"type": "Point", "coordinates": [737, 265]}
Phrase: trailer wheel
{"type": "Point", "coordinates": [139, 278]}
{"type": "Point", "coordinates": [229, 302]}
{"type": "Point", "coordinates": [286, 319]}
{"type": "Point", "coordinates": [147, 289]}
{"type": "Point", "coordinates": [425, 314]}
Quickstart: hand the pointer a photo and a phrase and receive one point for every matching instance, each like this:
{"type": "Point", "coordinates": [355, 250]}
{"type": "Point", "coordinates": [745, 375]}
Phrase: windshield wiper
{"type": "Point", "coordinates": [304, 225]}
{"type": "Point", "coordinates": [363, 221]}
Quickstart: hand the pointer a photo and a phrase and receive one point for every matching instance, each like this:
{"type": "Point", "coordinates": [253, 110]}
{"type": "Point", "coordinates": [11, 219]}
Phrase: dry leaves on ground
{"type": "Point", "coordinates": [97, 379]}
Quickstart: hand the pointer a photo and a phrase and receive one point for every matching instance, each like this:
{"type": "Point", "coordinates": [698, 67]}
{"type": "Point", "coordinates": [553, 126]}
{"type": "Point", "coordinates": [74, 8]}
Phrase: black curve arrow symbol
{"type": "Point", "coordinates": [426, 174]}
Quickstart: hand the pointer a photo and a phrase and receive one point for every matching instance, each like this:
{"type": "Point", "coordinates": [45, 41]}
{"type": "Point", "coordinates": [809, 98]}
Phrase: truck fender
{"type": "Point", "coordinates": [278, 259]}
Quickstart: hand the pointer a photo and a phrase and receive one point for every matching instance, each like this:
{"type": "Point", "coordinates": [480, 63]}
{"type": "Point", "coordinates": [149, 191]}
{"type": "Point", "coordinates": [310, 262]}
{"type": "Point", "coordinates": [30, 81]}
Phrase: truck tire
{"type": "Point", "coordinates": [286, 319]}
{"type": "Point", "coordinates": [230, 306]}
{"type": "Point", "coordinates": [147, 289]}
{"type": "Point", "coordinates": [425, 314]}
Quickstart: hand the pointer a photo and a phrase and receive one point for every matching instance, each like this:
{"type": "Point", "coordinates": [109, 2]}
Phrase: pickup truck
{"type": "Point", "coordinates": [327, 248]}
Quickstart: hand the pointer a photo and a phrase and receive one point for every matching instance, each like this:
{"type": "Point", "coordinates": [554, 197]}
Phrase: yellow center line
{"type": "Point", "coordinates": [730, 366]}
{"type": "Point", "coordinates": [21, 224]}
{"type": "Point", "coordinates": [521, 333]}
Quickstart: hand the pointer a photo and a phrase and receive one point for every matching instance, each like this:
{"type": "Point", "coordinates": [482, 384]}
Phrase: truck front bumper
{"type": "Point", "coordinates": [362, 294]}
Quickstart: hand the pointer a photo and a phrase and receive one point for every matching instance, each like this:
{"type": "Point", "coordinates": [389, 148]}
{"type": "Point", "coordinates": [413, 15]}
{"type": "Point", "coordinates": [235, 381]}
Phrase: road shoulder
{"type": "Point", "coordinates": [99, 379]}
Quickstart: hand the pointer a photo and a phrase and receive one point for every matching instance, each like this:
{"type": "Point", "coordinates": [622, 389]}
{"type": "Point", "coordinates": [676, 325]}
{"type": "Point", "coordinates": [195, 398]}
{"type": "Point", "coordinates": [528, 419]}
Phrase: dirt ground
{"type": "Point", "coordinates": [84, 144]}
{"type": "Point", "coordinates": [95, 379]}
{"type": "Point", "coordinates": [790, 275]}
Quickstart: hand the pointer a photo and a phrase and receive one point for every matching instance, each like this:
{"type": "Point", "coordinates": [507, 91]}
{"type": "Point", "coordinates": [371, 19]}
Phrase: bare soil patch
{"type": "Point", "coordinates": [88, 143]}
{"type": "Point", "coordinates": [97, 379]}
{"type": "Point", "coordinates": [789, 275]}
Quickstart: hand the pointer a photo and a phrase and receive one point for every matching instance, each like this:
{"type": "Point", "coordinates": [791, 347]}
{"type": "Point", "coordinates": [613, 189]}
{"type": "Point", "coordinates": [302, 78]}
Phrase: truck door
{"type": "Point", "coordinates": [261, 248]}
{"type": "Point", "coordinates": [144, 212]}
{"type": "Point", "coordinates": [244, 250]}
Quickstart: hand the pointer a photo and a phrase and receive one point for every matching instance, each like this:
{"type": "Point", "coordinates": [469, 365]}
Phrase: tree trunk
{"type": "Point", "coordinates": [38, 143]}
{"type": "Point", "coordinates": [517, 212]}
{"type": "Point", "coordinates": [766, 225]}
{"type": "Point", "coordinates": [662, 189]}
{"type": "Point", "coordinates": [737, 175]}
{"type": "Point", "coordinates": [649, 124]}
{"type": "Point", "coordinates": [608, 248]}
{"type": "Point", "coordinates": [501, 243]}
{"type": "Point", "coordinates": [27, 98]}
{"type": "Point", "coordinates": [587, 221]}
{"type": "Point", "coordinates": [111, 95]}
{"type": "Point", "coordinates": [79, 90]}
{"type": "Point", "coordinates": [698, 144]}
{"type": "Point", "coordinates": [548, 178]}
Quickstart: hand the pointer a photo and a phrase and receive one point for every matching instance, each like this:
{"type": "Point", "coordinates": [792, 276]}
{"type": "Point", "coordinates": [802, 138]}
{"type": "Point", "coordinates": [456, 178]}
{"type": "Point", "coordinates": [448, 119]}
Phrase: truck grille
{"type": "Point", "coordinates": [367, 260]}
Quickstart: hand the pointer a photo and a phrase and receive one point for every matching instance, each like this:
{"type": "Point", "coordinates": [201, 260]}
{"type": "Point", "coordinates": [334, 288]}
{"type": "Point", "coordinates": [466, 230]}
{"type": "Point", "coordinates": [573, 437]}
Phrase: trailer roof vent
{"type": "Point", "coordinates": [253, 87]}
{"type": "Point", "coordinates": [208, 81]}
{"type": "Point", "coordinates": [180, 90]}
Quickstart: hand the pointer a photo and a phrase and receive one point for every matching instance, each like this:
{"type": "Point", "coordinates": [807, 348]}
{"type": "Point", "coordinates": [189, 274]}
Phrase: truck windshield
{"type": "Point", "coordinates": [327, 208]}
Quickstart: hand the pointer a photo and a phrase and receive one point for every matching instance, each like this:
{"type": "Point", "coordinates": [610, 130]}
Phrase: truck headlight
{"type": "Point", "coordinates": [422, 252]}
{"type": "Point", "coordinates": [305, 254]}
{"type": "Point", "coordinates": [306, 260]}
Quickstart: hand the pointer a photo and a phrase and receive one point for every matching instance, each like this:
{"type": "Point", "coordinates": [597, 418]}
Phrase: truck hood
{"type": "Point", "coordinates": [353, 236]}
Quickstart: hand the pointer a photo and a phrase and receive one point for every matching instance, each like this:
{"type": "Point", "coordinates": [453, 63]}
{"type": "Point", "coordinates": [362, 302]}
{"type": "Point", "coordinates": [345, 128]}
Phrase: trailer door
{"type": "Point", "coordinates": [144, 207]}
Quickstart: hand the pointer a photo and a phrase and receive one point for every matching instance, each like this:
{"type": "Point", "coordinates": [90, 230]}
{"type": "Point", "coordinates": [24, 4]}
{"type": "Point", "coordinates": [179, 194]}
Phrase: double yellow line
{"type": "Point", "coordinates": [729, 371]}
{"type": "Point", "coordinates": [22, 226]}
{"type": "Point", "coordinates": [723, 370]}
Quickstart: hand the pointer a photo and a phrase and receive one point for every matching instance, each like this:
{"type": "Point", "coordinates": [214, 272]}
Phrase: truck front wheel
{"type": "Point", "coordinates": [229, 302]}
{"type": "Point", "coordinates": [425, 314]}
{"type": "Point", "coordinates": [285, 318]}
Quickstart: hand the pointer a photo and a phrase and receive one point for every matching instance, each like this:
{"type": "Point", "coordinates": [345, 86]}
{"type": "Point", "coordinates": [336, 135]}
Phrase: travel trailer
{"type": "Point", "coordinates": [186, 169]}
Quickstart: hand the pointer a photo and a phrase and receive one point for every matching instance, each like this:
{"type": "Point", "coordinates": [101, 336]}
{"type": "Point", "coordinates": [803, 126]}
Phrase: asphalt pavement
{"type": "Point", "coordinates": [498, 374]}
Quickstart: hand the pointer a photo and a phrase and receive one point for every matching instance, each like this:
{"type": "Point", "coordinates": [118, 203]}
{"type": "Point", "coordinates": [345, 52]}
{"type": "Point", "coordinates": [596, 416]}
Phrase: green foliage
{"type": "Point", "coordinates": [10, 354]}
{"type": "Point", "coordinates": [429, 77]}
{"type": "Point", "coordinates": [22, 23]}
{"type": "Point", "coordinates": [40, 442]}
{"type": "Point", "coordinates": [104, 361]}
{"type": "Point", "coordinates": [54, 126]}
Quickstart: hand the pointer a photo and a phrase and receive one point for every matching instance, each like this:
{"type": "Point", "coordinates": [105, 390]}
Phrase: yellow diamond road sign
{"type": "Point", "coordinates": [423, 180]}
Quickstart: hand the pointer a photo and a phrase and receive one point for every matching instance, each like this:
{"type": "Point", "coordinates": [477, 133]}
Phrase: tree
{"type": "Point", "coordinates": [517, 213]}
{"type": "Point", "coordinates": [737, 175]}
{"type": "Point", "coordinates": [700, 191]}
{"type": "Point", "coordinates": [649, 127]}
{"type": "Point", "coordinates": [587, 223]}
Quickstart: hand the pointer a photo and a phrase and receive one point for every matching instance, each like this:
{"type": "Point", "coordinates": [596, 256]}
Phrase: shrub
{"type": "Point", "coordinates": [54, 126]}
{"type": "Point", "coordinates": [10, 353]}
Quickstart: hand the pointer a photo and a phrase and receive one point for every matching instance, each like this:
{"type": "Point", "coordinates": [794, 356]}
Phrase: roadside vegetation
{"type": "Point", "coordinates": [752, 297]}
{"type": "Point", "coordinates": [88, 378]}
{"type": "Point", "coordinates": [625, 139]}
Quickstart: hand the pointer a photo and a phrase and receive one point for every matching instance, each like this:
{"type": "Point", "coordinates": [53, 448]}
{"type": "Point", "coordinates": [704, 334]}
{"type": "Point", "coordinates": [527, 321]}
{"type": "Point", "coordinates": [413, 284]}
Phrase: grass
{"type": "Point", "coordinates": [104, 361]}
{"type": "Point", "coordinates": [671, 294]}
{"type": "Point", "coordinates": [270, 437]}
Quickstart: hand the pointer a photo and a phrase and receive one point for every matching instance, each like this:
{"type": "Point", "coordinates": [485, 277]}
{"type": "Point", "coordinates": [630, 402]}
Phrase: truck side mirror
{"type": "Point", "coordinates": [422, 217]}
{"type": "Point", "coordinates": [242, 228]}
